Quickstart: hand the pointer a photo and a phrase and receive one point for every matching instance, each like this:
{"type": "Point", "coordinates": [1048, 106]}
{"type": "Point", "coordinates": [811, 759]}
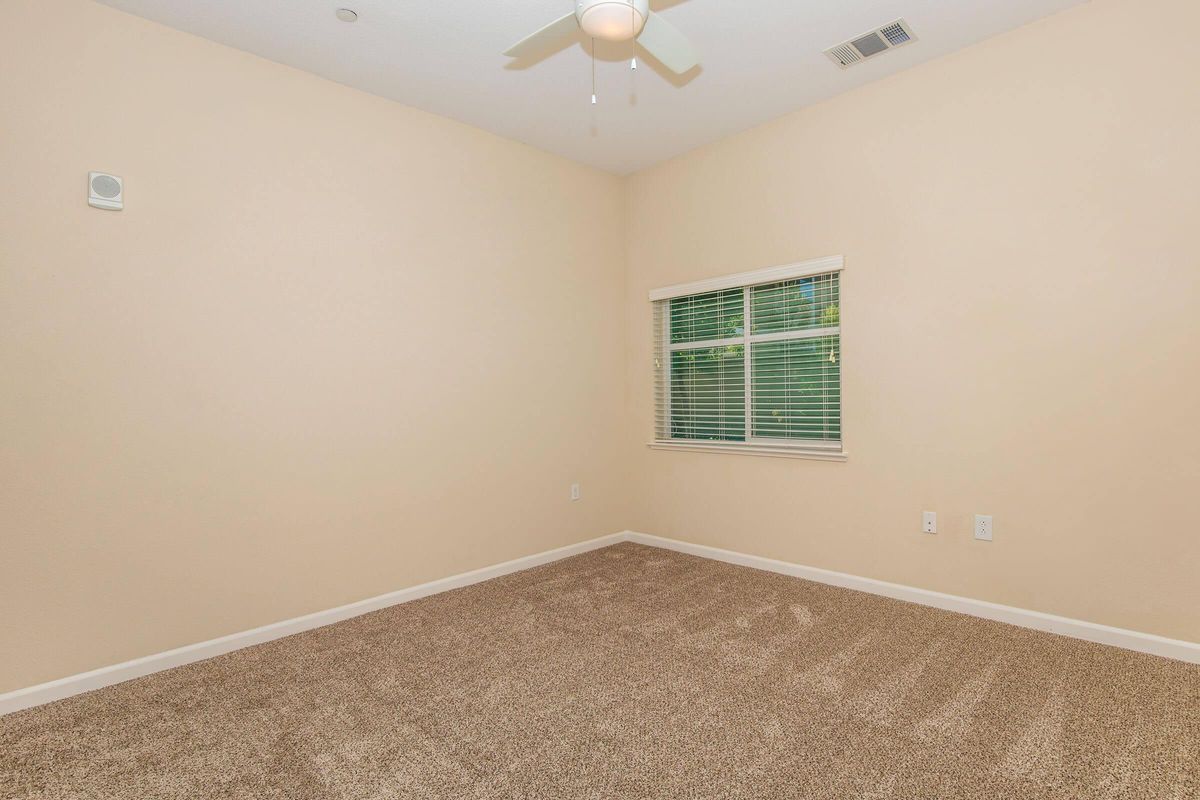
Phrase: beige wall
{"type": "Point", "coordinates": [1021, 329]}
{"type": "Point", "coordinates": [331, 348]}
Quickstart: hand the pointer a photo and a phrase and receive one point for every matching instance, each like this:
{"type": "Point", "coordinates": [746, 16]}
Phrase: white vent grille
{"type": "Point", "coordinates": [871, 44]}
{"type": "Point", "coordinates": [895, 34]}
{"type": "Point", "coordinates": [844, 54]}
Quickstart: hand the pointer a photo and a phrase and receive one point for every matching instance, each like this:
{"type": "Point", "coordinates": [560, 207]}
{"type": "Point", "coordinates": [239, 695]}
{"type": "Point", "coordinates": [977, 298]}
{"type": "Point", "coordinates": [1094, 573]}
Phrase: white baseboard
{"type": "Point", "coordinates": [118, 673]}
{"type": "Point", "coordinates": [1078, 629]}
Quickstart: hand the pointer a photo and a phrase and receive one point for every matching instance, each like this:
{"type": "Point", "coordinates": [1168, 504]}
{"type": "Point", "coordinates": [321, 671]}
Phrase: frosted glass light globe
{"type": "Point", "coordinates": [612, 20]}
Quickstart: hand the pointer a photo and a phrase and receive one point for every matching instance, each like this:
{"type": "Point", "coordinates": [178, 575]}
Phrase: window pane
{"type": "Point", "coordinates": [715, 315]}
{"type": "Point", "coordinates": [708, 393]}
{"type": "Point", "coordinates": [795, 305]}
{"type": "Point", "coordinates": [796, 388]}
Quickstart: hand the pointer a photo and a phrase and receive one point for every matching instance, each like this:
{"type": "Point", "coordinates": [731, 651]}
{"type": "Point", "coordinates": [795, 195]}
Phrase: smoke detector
{"type": "Point", "coordinates": [872, 43]}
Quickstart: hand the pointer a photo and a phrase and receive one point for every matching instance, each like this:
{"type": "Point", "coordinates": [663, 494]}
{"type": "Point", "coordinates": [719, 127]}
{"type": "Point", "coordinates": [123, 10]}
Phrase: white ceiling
{"type": "Point", "coordinates": [759, 60]}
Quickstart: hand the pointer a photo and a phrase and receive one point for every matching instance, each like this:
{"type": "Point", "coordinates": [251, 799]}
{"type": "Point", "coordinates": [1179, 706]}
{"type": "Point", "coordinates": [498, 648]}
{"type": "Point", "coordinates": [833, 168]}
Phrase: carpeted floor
{"type": "Point", "coordinates": [631, 672]}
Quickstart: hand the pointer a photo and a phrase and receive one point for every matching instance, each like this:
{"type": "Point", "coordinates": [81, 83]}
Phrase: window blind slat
{"type": "Point", "coordinates": [795, 305]}
{"type": "Point", "coordinates": [774, 382]}
{"type": "Point", "coordinates": [715, 315]}
{"type": "Point", "coordinates": [796, 389]}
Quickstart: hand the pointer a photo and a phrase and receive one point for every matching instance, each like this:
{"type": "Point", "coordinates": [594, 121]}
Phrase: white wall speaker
{"type": "Point", "coordinates": [106, 191]}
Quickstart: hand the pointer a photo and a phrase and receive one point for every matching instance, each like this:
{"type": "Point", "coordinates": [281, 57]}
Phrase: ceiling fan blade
{"type": "Point", "coordinates": [556, 32]}
{"type": "Point", "coordinates": [664, 41]}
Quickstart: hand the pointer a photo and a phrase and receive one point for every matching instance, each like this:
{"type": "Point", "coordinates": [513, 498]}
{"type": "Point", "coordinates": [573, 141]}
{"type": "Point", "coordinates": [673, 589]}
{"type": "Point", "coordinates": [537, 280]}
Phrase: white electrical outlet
{"type": "Point", "coordinates": [929, 521]}
{"type": "Point", "coordinates": [575, 493]}
{"type": "Point", "coordinates": [983, 527]}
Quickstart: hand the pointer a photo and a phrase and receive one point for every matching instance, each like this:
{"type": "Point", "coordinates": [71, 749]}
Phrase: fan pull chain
{"type": "Point", "coordinates": [633, 41]}
{"type": "Point", "coordinates": [593, 70]}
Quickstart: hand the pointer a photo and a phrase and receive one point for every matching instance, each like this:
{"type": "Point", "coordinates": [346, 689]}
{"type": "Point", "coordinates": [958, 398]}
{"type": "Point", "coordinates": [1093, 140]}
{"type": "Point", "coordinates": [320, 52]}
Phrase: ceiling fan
{"type": "Point", "coordinates": [615, 21]}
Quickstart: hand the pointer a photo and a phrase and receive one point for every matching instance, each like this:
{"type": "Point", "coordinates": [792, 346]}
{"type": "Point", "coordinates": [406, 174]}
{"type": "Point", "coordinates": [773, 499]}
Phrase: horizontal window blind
{"type": "Point", "coordinates": [752, 365]}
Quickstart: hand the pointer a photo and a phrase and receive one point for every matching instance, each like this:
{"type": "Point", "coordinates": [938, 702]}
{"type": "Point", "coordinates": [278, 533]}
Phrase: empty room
{"type": "Point", "coordinates": [599, 399]}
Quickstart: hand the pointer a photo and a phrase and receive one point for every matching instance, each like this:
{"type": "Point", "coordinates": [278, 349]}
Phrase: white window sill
{"type": "Point", "coordinates": [775, 451]}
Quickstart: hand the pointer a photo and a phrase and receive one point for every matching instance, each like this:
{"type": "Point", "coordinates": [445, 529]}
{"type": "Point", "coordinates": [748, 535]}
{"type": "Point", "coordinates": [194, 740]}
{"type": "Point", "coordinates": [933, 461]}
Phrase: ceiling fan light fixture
{"type": "Point", "coordinates": [612, 20]}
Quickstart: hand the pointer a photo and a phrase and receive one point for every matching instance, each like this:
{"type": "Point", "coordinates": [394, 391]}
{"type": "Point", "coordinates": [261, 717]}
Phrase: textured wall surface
{"type": "Point", "coordinates": [331, 348]}
{"type": "Point", "coordinates": [1020, 328]}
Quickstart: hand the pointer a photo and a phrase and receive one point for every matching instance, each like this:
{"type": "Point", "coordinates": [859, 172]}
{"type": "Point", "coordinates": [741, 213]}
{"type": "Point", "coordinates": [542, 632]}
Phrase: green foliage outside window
{"type": "Point", "coordinates": [793, 350]}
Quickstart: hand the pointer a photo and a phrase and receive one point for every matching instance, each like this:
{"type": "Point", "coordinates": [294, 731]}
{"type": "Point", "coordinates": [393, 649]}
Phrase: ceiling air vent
{"type": "Point", "coordinates": [880, 40]}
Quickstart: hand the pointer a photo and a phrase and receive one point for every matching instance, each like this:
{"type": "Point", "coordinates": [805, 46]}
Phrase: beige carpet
{"type": "Point", "coordinates": [632, 672]}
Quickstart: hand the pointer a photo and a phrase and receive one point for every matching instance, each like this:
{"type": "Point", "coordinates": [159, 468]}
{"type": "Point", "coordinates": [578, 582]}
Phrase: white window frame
{"type": "Point", "coordinates": [753, 445]}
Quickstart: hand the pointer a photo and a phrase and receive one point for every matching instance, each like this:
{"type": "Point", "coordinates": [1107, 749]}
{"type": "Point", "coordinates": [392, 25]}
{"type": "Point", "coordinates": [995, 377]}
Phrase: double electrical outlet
{"type": "Point", "coordinates": [983, 525]}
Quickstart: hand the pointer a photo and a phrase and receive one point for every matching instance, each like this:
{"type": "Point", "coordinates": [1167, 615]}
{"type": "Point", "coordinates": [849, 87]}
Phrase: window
{"type": "Point", "coordinates": [751, 362]}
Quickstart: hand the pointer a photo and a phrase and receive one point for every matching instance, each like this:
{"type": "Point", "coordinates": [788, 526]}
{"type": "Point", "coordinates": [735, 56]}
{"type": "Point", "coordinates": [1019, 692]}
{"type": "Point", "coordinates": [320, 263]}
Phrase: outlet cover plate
{"type": "Point", "coordinates": [983, 527]}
